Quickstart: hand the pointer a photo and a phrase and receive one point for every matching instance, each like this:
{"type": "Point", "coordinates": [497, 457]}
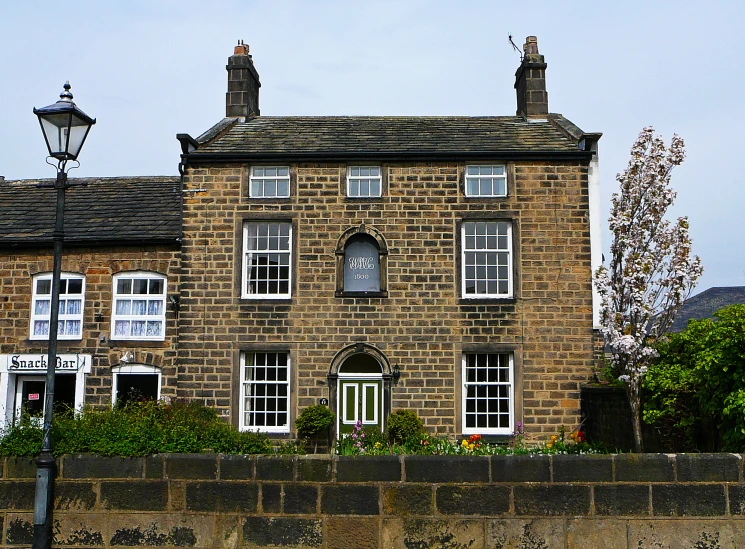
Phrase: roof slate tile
{"type": "Point", "coordinates": [125, 209]}
{"type": "Point", "coordinates": [395, 135]}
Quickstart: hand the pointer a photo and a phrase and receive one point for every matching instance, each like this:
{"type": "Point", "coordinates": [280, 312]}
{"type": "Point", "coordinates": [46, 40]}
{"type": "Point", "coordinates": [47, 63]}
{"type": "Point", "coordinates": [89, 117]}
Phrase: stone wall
{"type": "Point", "coordinates": [17, 269]}
{"type": "Point", "coordinates": [616, 501]}
{"type": "Point", "coordinates": [422, 325]}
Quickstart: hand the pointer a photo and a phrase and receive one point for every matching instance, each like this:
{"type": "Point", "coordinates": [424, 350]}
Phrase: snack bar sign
{"type": "Point", "coordinates": [38, 362]}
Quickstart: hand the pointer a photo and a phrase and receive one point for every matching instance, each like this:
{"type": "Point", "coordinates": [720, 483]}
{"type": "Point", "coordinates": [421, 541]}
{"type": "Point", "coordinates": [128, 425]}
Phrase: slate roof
{"type": "Point", "coordinates": [705, 304]}
{"type": "Point", "coordinates": [415, 136]}
{"type": "Point", "coordinates": [107, 210]}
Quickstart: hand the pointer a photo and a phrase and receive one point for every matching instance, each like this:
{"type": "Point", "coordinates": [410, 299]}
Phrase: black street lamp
{"type": "Point", "coordinates": [65, 128]}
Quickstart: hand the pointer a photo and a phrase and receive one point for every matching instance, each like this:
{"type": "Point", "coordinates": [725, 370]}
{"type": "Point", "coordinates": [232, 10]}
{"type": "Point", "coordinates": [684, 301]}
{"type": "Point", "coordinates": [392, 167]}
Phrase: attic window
{"type": "Point", "coordinates": [486, 180]}
{"type": "Point", "coordinates": [269, 182]}
{"type": "Point", "coordinates": [364, 182]}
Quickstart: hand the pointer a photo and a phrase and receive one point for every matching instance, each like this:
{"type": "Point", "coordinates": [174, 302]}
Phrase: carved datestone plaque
{"type": "Point", "coordinates": [361, 267]}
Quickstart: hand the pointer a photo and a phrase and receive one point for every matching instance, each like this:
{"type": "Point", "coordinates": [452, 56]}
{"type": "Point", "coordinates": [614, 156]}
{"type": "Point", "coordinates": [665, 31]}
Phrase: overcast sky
{"type": "Point", "coordinates": [148, 69]}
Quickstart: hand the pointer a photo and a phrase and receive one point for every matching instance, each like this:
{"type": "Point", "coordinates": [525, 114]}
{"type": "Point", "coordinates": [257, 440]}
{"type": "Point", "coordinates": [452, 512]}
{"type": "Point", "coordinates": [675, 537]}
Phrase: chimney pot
{"type": "Point", "coordinates": [241, 48]}
{"type": "Point", "coordinates": [531, 45]}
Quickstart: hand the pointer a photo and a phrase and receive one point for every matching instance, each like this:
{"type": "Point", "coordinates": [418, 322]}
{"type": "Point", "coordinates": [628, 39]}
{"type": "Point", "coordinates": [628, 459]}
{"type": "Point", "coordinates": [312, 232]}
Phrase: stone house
{"type": "Point", "coordinates": [438, 264]}
{"type": "Point", "coordinates": [120, 280]}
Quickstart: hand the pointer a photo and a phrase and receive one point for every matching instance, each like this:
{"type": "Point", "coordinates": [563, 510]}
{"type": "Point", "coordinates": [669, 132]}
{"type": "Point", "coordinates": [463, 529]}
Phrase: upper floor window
{"type": "Point", "coordinates": [267, 260]}
{"type": "Point", "coordinates": [486, 180]}
{"type": "Point", "coordinates": [269, 182]}
{"type": "Point", "coordinates": [71, 297]}
{"type": "Point", "coordinates": [265, 392]}
{"type": "Point", "coordinates": [488, 393]}
{"type": "Point", "coordinates": [364, 181]}
{"type": "Point", "coordinates": [487, 258]}
{"type": "Point", "coordinates": [139, 310]}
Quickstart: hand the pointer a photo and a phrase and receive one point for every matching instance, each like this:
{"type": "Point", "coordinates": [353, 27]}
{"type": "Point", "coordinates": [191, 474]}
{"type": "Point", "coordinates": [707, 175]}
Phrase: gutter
{"type": "Point", "coordinates": [579, 154]}
{"type": "Point", "coordinates": [15, 244]}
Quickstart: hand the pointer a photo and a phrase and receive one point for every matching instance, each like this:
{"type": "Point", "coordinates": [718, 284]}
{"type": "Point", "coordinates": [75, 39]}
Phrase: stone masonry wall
{"type": "Point", "coordinates": [423, 326]}
{"type": "Point", "coordinates": [16, 275]}
{"type": "Point", "coordinates": [626, 501]}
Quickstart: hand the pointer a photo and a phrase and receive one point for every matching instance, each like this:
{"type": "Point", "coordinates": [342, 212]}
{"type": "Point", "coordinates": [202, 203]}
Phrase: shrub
{"type": "Point", "coordinates": [314, 420]}
{"type": "Point", "coordinates": [697, 386]}
{"type": "Point", "coordinates": [136, 429]}
{"type": "Point", "coordinates": [402, 425]}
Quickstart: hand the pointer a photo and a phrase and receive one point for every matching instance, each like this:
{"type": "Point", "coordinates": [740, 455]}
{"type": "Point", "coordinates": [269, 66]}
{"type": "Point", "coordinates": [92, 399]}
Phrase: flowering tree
{"type": "Point", "coordinates": [651, 270]}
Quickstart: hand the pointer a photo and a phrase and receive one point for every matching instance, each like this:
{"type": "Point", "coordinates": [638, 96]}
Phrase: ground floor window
{"type": "Point", "coordinates": [265, 392]}
{"type": "Point", "coordinates": [135, 383]}
{"type": "Point", "coordinates": [488, 393]}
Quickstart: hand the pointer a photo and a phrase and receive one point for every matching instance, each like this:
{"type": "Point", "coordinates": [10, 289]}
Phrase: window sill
{"type": "Point", "coordinates": [138, 342]}
{"type": "Point", "coordinates": [265, 301]}
{"type": "Point", "coordinates": [361, 294]}
{"type": "Point", "coordinates": [491, 438]}
{"type": "Point", "coordinates": [487, 300]}
{"type": "Point", "coordinates": [77, 338]}
{"type": "Point", "coordinates": [270, 434]}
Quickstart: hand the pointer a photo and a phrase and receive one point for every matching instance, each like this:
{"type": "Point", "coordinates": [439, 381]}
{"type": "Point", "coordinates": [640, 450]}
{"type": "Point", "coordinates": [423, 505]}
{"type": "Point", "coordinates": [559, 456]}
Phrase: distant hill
{"type": "Point", "coordinates": [705, 304]}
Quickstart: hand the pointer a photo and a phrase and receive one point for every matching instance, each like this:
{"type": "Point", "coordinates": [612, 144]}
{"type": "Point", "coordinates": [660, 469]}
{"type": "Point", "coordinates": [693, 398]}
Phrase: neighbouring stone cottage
{"type": "Point", "coordinates": [439, 264]}
{"type": "Point", "coordinates": [120, 266]}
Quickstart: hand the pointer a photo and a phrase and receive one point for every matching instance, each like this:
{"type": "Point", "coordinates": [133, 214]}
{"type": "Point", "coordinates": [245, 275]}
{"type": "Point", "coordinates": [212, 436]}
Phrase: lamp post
{"type": "Point", "coordinates": [65, 128]}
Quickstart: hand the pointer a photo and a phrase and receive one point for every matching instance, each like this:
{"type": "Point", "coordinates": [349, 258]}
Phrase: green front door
{"type": "Point", "coordinates": [360, 400]}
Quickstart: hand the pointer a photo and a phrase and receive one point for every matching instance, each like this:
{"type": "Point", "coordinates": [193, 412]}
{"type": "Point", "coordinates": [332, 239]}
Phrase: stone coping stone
{"type": "Point", "coordinates": [314, 468]}
{"type": "Point", "coordinates": [708, 467]}
{"type": "Point", "coordinates": [20, 467]}
{"type": "Point", "coordinates": [376, 468]}
{"type": "Point", "coordinates": [637, 468]}
{"type": "Point", "coordinates": [275, 467]}
{"type": "Point", "coordinates": [237, 467]}
{"type": "Point", "coordinates": [521, 468]}
{"type": "Point", "coordinates": [644, 468]}
{"type": "Point", "coordinates": [582, 468]}
{"type": "Point", "coordinates": [446, 468]}
{"type": "Point", "coordinates": [95, 466]}
{"type": "Point", "coordinates": [191, 466]}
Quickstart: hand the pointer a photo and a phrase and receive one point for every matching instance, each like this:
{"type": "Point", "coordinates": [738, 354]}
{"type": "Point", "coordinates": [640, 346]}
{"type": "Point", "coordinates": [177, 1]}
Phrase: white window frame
{"type": "Point", "coordinates": [501, 251]}
{"type": "Point", "coordinates": [480, 177]}
{"type": "Point", "coordinates": [356, 179]}
{"type": "Point", "coordinates": [242, 397]}
{"type": "Point", "coordinates": [139, 275]}
{"type": "Point", "coordinates": [510, 429]}
{"type": "Point", "coordinates": [267, 181]}
{"type": "Point", "coordinates": [64, 299]}
{"type": "Point", "coordinates": [250, 255]}
{"type": "Point", "coordinates": [136, 369]}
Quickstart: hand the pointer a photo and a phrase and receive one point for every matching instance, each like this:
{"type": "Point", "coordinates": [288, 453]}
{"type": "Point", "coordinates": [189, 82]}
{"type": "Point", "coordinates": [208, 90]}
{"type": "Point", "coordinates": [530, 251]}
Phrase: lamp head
{"type": "Point", "coordinates": [64, 126]}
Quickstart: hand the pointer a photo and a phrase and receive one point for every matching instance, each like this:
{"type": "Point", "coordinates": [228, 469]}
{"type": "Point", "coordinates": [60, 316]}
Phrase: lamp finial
{"type": "Point", "coordinates": [67, 94]}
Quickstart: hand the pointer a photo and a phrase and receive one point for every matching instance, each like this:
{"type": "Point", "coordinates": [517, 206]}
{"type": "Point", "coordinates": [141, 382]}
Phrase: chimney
{"type": "Point", "coordinates": [242, 98]}
{"type": "Point", "coordinates": [530, 81]}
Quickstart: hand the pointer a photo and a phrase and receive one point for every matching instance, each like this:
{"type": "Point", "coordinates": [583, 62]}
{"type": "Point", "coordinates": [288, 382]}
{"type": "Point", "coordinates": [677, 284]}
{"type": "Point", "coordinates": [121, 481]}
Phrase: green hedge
{"type": "Point", "coordinates": [136, 429]}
